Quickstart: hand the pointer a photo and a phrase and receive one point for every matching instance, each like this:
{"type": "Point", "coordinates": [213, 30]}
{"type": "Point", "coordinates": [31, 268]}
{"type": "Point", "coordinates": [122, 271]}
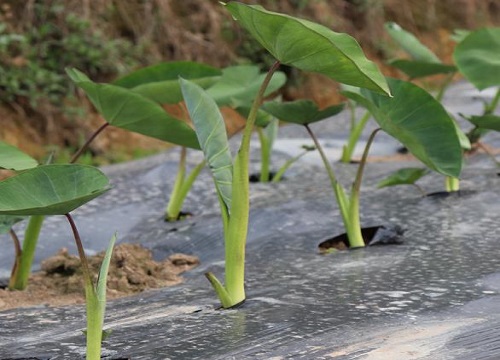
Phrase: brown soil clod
{"type": "Point", "coordinates": [131, 271]}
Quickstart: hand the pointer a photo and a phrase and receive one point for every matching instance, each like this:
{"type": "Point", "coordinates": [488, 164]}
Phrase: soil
{"type": "Point", "coordinates": [132, 270]}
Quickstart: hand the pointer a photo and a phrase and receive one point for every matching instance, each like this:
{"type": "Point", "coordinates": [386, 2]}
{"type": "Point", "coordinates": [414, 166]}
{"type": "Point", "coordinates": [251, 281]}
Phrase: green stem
{"type": "Point", "coordinates": [237, 227]}
{"type": "Point", "coordinates": [75, 157]}
{"type": "Point", "coordinates": [356, 131]}
{"type": "Point", "coordinates": [354, 230]}
{"type": "Point", "coordinates": [175, 203]}
{"type": "Point", "coordinates": [265, 155]}
{"type": "Point", "coordinates": [19, 280]}
{"type": "Point", "coordinates": [95, 315]}
{"type": "Point", "coordinates": [444, 86]}
{"type": "Point", "coordinates": [281, 171]}
{"type": "Point", "coordinates": [493, 105]}
{"type": "Point", "coordinates": [340, 195]}
{"type": "Point", "coordinates": [452, 184]}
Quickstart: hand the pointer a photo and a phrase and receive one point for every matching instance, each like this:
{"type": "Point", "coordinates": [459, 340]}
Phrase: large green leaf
{"type": "Point", "coordinates": [240, 85]}
{"type": "Point", "coordinates": [211, 131]}
{"type": "Point", "coordinates": [490, 122]}
{"type": "Point", "coordinates": [477, 57]}
{"type": "Point", "coordinates": [410, 43]}
{"type": "Point", "coordinates": [309, 46]}
{"type": "Point", "coordinates": [160, 82]}
{"type": "Point", "coordinates": [51, 189]}
{"type": "Point", "coordinates": [417, 69]}
{"type": "Point", "coordinates": [300, 112]}
{"type": "Point", "coordinates": [12, 158]}
{"type": "Point", "coordinates": [418, 121]}
{"type": "Point", "coordinates": [125, 109]}
{"type": "Point", "coordinates": [405, 176]}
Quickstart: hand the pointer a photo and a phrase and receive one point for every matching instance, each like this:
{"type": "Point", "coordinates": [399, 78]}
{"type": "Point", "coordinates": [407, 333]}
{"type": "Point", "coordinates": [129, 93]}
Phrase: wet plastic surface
{"type": "Point", "coordinates": [433, 297]}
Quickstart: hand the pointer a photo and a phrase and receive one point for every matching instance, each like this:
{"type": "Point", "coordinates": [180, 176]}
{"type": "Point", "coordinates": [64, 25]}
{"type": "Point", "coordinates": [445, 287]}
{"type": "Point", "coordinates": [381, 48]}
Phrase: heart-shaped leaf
{"type": "Point", "coordinates": [51, 189]}
{"type": "Point", "coordinates": [309, 46]}
{"type": "Point", "coordinates": [211, 131]}
{"type": "Point", "coordinates": [477, 57]}
{"type": "Point", "coordinates": [160, 82]}
{"type": "Point", "coordinates": [410, 44]}
{"type": "Point", "coordinates": [12, 158]}
{"type": "Point", "coordinates": [418, 121]}
{"type": "Point", "coordinates": [417, 69]}
{"type": "Point", "coordinates": [125, 109]}
{"type": "Point", "coordinates": [406, 176]}
{"type": "Point", "coordinates": [240, 85]}
{"type": "Point", "coordinates": [300, 112]}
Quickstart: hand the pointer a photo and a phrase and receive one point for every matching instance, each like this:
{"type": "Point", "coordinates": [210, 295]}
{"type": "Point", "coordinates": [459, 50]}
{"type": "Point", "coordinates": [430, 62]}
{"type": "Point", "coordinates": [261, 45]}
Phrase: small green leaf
{"type": "Point", "coordinates": [12, 158]}
{"type": "Point", "coordinates": [51, 189]}
{"type": "Point", "coordinates": [125, 109]}
{"type": "Point", "coordinates": [211, 132]}
{"type": "Point", "coordinates": [459, 34]}
{"type": "Point", "coordinates": [406, 176]}
{"type": "Point", "coordinates": [8, 221]}
{"type": "Point", "coordinates": [300, 112]}
{"type": "Point", "coordinates": [240, 85]}
{"type": "Point", "coordinates": [103, 273]}
{"type": "Point", "coordinates": [310, 47]}
{"type": "Point", "coordinates": [410, 44]}
{"type": "Point", "coordinates": [419, 122]}
{"type": "Point", "coordinates": [490, 122]}
{"type": "Point", "coordinates": [477, 57]}
{"type": "Point", "coordinates": [417, 69]}
{"type": "Point", "coordinates": [160, 82]}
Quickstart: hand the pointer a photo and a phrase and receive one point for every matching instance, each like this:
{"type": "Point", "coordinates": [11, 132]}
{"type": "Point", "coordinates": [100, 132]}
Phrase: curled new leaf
{"type": "Point", "coordinates": [309, 46]}
{"type": "Point", "coordinates": [211, 132]}
{"type": "Point", "coordinates": [490, 122]}
{"type": "Point", "coordinates": [300, 112]}
{"type": "Point", "coordinates": [51, 189]}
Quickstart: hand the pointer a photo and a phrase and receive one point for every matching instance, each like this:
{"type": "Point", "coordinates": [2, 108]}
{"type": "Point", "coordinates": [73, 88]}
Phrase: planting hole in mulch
{"type": "Point", "coordinates": [451, 194]}
{"type": "Point", "coordinates": [131, 271]}
{"type": "Point", "coordinates": [255, 178]}
{"type": "Point", "coordinates": [183, 215]}
{"type": "Point", "coordinates": [374, 235]}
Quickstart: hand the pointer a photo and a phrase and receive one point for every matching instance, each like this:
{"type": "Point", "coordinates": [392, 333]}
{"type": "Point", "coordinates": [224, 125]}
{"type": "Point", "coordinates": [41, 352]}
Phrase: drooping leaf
{"type": "Point", "coordinates": [419, 122]}
{"type": "Point", "coordinates": [160, 82]}
{"type": "Point", "coordinates": [240, 85]}
{"type": "Point", "coordinates": [8, 221]}
{"type": "Point", "coordinates": [125, 109]}
{"type": "Point", "coordinates": [406, 176]}
{"type": "Point", "coordinates": [300, 112]}
{"type": "Point", "coordinates": [309, 46]}
{"type": "Point", "coordinates": [490, 122]}
{"type": "Point", "coordinates": [51, 189]}
{"type": "Point", "coordinates": [12, 158]}
{"type": "Point", "coordinates": [211, 132]}
{"type": "Point", "coordinates": [410, 44]}
{"type": "Point", "coordinates": [417, 69]}
{"type": "Point", "coordinates": [477, 57]}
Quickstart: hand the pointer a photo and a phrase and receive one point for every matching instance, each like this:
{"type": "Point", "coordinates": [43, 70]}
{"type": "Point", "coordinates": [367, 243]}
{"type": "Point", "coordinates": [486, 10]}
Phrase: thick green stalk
{"type": "Point", "coordinates": [22, 271]}
{"type": "Point", "coordinates": [356, 131]}
{"type": "Point", "coordinates": [452, 184]}
{"type": "Point", "coordinates": [265, 154]}
{"type": "Point", "coordinates": [236, 230]}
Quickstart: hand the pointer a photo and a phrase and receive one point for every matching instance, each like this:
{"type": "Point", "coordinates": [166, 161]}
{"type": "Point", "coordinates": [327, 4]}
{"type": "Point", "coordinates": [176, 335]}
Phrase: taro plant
{"type": "Point", "coordinates": [299, 43]}
{"type": "Point", "coordinates": [412, 116]}
{"type": "Point", "coordinates": [57, 190]}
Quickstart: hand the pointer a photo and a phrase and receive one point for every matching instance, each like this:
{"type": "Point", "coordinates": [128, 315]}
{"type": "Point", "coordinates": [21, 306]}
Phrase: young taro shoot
{"type": "Point", "coordinates": [58, 190]}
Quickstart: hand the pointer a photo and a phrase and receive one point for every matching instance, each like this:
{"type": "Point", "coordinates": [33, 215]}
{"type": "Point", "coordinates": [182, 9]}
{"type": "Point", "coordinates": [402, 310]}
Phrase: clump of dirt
{"type": "Point", "coordinates": [131, 271]}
